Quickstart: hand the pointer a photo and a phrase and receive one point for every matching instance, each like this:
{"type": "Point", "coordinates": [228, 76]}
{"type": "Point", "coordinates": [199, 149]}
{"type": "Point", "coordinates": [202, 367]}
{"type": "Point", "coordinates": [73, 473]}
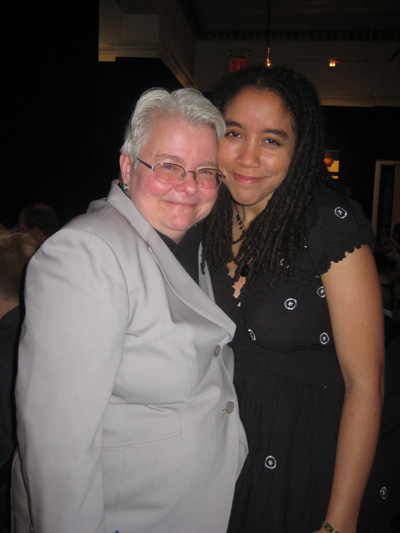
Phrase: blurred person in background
{"type": "Point", "coordinates": [40, 221]}
{"type": "Point", "coordinates": [15, 251]}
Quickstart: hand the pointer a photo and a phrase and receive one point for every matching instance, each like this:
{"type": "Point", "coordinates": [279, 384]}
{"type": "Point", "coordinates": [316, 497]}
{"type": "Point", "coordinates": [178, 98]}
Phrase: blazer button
{"type": "Point", "coordinates": [217, 351]}
{"type": "Point", "coordinates": [229, 407]}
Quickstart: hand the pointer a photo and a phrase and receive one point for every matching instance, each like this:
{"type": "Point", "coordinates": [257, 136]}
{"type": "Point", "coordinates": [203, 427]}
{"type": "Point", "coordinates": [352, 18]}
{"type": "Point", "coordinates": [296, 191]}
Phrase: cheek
{"type": "Point", "coordinates": [227, 182]}
{"type": "Point", "coordinates": [207, 201]}
{"type": "Point", "coordinates": [148, 188]}
{"type": "Point", "coordinates": [224, 153]}
{"type": "Point", "coordinates": [278, 163]}
{"type": "Point", "coordinates": [287, 162]}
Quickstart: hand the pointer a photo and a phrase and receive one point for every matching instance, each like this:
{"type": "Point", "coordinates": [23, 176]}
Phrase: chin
{"type": "Point", "coordinates": [182, 223]}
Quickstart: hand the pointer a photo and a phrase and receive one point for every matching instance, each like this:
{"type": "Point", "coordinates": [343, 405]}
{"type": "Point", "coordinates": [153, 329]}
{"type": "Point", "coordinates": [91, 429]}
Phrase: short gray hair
{"type": "Point", "coordinates": [185, 104]}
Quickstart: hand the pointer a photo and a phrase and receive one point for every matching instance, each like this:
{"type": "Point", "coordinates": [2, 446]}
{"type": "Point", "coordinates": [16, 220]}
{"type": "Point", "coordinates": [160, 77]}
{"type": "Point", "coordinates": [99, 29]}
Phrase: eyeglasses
{"type": "Point", "coordinates": [172, 174]}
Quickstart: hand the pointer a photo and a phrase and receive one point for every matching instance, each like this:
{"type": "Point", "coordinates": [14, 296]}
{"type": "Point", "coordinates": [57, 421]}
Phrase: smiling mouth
{"type": "Point", "coordinates": [180, 204]}
{"type": "Point", "coordinates": [246, 179]}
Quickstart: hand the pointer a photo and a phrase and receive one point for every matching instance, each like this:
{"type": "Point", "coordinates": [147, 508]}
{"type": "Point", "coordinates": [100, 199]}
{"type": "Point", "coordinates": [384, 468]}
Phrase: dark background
{"type": "Point", "coordinates": [64, 114]}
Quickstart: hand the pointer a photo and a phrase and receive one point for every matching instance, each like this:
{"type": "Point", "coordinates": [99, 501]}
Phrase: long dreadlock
{"type": "Point", "coordinates": [276, 238]}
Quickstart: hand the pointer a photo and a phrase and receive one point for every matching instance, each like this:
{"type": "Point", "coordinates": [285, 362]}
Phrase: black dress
{"type": "Point", "coordinates": [289, 384]}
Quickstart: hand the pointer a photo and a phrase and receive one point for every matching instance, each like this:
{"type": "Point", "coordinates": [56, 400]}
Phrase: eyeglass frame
{"type": "Point", "coordinates": [194, 172]}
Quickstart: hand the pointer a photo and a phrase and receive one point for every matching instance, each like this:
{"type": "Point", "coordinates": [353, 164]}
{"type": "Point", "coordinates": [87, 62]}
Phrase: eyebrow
{"type": "Point", "coordinates": [280, 133]}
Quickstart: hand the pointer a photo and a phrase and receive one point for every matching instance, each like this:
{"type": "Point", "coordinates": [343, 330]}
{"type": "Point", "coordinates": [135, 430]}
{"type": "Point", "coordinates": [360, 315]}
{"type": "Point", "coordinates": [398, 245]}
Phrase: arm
{"type": "Point", "coordinates": [355, 307]}
{"type": "Point", "coordinates": [69, 357]}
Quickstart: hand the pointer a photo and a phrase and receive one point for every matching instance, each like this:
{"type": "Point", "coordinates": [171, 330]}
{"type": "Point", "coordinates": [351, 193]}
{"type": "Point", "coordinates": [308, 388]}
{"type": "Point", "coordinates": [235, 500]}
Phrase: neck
{"type": "Point", "coordinates": [7, 305]}
{"type": "Point", "coordinates": [247, 214]}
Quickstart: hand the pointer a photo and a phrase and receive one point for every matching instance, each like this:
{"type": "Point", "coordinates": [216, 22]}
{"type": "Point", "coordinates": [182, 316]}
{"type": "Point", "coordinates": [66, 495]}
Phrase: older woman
{"type": "Point", "coordinates": [291, 264]}
{"type": "Point", "coordinates": [127, 416]}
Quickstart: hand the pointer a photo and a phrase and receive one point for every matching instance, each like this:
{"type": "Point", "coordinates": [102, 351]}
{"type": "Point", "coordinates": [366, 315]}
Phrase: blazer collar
{"type": "Point", "coordinates": [201, 299]}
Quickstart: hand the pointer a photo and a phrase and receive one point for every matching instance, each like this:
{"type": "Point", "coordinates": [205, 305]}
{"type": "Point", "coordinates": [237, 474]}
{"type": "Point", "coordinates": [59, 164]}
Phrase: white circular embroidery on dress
{"type": "Point", "coordinates": [283, 263]}
{"type": "Point", "coordinates": [270, 462]}
{"type": "Point", "coordinates": [252, 334]}
{"type": "Point", "coordinates": [384, 493]}
{"type": "Point", "coordinates": [290, 304]}
{"type": "Point", "coordinates": [324, 338]}
{"type": "Point", "coordinates": [340, 212]}
{"type": "Point", "coordinates": [321, 292]}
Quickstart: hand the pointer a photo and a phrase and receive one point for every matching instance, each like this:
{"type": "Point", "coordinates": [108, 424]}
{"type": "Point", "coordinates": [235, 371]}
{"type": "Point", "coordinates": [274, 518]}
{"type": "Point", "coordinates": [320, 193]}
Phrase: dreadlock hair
{"type": "Point", "coordinates": [276, 238]}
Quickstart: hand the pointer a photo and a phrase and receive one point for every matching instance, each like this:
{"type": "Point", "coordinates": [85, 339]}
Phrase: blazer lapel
{"type": "Point", "coordinates": [199, 298]}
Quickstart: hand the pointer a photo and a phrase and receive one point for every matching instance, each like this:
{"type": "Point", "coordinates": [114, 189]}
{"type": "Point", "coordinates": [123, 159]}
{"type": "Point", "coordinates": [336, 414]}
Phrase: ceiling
{"type": "Point", "coordinates": [289, 19]}
{"type": "Point", "coordinates": [377, 19]}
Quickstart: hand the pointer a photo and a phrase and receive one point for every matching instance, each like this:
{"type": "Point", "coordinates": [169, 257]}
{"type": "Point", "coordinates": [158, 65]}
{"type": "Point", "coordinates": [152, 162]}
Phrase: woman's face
{"type": "Point", "coordinates": [258, 146]}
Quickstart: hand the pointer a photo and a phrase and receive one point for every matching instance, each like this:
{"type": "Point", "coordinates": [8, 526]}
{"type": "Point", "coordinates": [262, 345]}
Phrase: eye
{"type": "Point", "coordinates": [272, 142]}
{"type": "Point", "coordinates": [169, 167]}
{"type": "Point", "coordinates": [206, 172]}
{"type": "Point", "coordinates": [232, 133]}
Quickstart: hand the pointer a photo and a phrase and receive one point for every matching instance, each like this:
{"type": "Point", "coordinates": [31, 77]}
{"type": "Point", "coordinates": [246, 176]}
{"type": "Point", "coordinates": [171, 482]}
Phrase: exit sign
{"type": "Point", "coordinates": [238, 63]}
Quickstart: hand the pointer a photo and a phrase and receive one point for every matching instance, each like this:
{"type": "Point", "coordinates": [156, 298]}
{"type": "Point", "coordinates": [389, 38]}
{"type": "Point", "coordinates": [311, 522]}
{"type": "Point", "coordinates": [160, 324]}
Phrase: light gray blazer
{"type": "Point", "coordinates": [127, 416]}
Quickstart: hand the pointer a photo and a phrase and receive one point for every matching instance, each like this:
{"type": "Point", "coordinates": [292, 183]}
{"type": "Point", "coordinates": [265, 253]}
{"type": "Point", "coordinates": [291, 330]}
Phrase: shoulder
{"type": "Point", "coordinates": [99, 241]}
{"type": "Point", "coordinates": [102, 218]}
{"type": "Point", "coordinates": [335, 225]}
{"type": "Point", "coordinates": [334, 207]}
{"type": "Point", "coordinates": [103, 222]}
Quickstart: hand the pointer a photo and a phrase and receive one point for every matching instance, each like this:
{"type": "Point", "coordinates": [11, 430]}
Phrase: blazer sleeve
{"type": "Point", "coordinates": [70, 352]}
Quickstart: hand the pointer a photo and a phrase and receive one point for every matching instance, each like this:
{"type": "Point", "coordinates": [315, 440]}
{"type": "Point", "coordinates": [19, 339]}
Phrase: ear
{"type": "Point", "coordinates": [125, 164]}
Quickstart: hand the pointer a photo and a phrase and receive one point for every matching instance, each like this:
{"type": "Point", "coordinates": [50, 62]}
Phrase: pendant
{"type": "Point", "coordinates": [245, 271]}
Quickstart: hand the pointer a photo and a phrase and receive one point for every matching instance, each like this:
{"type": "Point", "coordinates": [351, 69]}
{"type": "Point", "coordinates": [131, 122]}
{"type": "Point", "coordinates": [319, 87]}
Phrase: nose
{"type": "Point", "coordinates": [188, 184]}
{"type": "Point", "coordinates": [248, 155]}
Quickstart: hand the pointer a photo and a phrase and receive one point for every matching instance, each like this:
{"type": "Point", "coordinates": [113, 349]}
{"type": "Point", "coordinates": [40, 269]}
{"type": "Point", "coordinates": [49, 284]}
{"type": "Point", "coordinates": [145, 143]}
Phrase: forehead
{"type": "Point", "coordinates": [172, 132]}
{"type": "Point", "coordinates": [255, 94]}
{"type": "Point", "coordinates": [253, 103]}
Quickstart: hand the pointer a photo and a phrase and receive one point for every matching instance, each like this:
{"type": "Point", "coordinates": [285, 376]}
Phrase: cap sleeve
{"type": "Point", "coordinates": [336, 225]}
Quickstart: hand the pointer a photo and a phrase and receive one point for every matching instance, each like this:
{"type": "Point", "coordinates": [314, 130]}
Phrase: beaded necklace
{"type": "Point", "coordinates": [242, 227]}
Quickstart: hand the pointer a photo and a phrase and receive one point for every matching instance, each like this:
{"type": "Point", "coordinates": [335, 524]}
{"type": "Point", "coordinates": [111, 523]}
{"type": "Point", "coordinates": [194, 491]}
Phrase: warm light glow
{"type": "Point", "coordinates": [333, 63]}
{"type": "Point", "coordinates": [267, 61]}
{"type": "Point", "coordinates": [332, 162]}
